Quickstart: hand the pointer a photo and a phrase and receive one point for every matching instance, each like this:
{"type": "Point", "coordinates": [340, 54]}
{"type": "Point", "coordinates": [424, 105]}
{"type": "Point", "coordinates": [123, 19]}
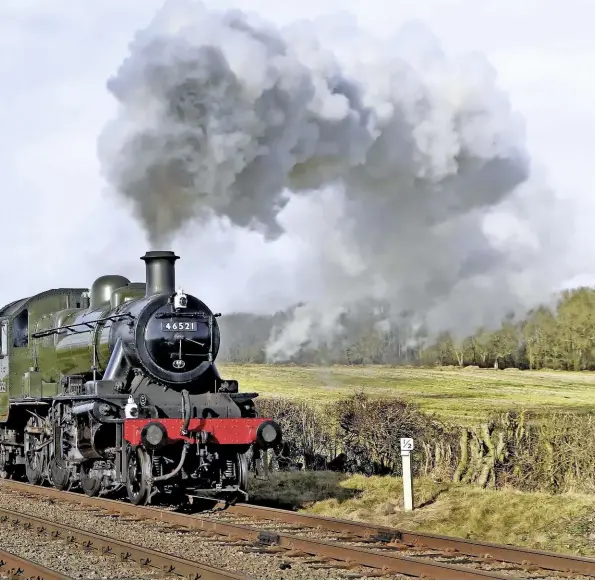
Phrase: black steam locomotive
{"type": "Point", "coordinates": [117, 388]}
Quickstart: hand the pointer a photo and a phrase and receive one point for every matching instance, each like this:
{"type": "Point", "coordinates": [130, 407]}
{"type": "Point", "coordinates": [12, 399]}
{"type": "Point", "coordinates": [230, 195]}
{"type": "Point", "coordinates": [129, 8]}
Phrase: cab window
{"type": "Point", "coordinates": [3, 338]}
{"type": "Point", "coordinates": [20, 329]}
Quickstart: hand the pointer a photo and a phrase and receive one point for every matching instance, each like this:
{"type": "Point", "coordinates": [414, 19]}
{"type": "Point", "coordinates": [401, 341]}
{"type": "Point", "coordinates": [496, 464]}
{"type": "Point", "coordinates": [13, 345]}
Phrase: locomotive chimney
{"type": "Point", "coordinates": [161, 271]}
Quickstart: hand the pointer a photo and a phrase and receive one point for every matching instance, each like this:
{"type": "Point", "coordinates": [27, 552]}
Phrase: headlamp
{"type": "Point", "coordinates": [268, 434]}
{"type": "Point", "coordinates": [154, 436]}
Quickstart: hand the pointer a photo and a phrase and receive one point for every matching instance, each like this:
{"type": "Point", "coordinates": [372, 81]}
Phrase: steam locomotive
{"type": "Point", "coordinates": [117, 388]}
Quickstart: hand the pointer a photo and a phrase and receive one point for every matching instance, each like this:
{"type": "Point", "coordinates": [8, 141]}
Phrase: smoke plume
{"type": "Point", "coordinates": [393, 169]}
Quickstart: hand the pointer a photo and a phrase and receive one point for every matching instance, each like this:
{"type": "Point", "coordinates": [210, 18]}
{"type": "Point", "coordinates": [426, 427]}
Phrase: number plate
{"type": "Point", "coordinates": [406, 444]}
{"type": "Point", "coordinates": [2, 387]}
{"type": "Point", "coordinates": [177, 326]}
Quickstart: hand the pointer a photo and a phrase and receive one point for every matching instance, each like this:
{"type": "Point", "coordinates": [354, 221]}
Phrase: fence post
{"type": "Point", "coordinates": [406, 449]}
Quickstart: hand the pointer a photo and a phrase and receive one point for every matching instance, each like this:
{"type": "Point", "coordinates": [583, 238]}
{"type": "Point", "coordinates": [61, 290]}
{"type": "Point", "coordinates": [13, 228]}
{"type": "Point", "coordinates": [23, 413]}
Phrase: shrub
{"type": "Point", "coordinates": [307, 437]}
{"type": "Point", "coordinates": [550, 453]}
{"type": "Point", "coordinates": [361, 435]}
{"type": "Point", "coordinates": [370, 431]}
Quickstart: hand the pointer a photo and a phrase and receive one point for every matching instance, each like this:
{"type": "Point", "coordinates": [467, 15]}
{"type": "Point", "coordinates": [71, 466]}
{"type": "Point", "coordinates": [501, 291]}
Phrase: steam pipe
{"type": "Point", "coordinates": [186, 412]}
{"type": "Point", "coordinates": [161, 272]}
{"type": "Point", "coordinates": [177, 468]}
{"type": "Point", "coordinates": [118, 366]}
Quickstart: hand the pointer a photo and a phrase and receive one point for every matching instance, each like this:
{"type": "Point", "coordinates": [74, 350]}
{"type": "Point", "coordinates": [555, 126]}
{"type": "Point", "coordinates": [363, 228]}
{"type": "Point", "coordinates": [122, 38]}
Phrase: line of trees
{"type": "Point", "coordinates": [558, 338]}
{"type": "Point", "coordinates": [561, 337]}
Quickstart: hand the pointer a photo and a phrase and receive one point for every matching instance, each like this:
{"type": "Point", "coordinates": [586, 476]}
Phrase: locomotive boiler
{"type": "Point", "coordinates": [116, 388]}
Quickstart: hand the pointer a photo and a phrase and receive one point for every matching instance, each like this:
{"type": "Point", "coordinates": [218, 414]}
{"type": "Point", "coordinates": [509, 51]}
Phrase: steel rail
{"type": "Point", "coordinates": [413, 566]}
{"type": "Point", "coordinates": [543, 559]}
{"type": "Point", "coordinates": [19, 568]}
{"type": "Point", "coordinates": [169, 564]}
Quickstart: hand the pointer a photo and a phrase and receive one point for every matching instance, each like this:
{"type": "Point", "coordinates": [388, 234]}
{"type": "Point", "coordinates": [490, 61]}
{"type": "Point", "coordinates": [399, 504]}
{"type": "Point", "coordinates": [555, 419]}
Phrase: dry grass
{"type": "Point", "coordinates": [459, 395]}
{"type": "Point", "coordinates": [561, 523]}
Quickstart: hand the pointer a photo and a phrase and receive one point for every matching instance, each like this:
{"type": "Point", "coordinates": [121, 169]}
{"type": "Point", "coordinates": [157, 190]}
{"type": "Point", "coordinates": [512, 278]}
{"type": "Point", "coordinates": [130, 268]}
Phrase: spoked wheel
{"type": "Point", "coordinates": [91, 485]}
{"type": "Point", "coordinates": [60, 475]}
{"type": "Point", "coordinates": [5, 469]}
{"type": "Point", "coordinates": [241, 478]}
{"type": "Point", "coordinates": [34, 458]}
{"type": "Point", "coordinates": [137, 485]}
{"type": "Point", "coordinates": [33, 468]}
{"type": "Point", "coordinates": [242, 471]}
{"type": "Point", "coordinates": [59, 472]}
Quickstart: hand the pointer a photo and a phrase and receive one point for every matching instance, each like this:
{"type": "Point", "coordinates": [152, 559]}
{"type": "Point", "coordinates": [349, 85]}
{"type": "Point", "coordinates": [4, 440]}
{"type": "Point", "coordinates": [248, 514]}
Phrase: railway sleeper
{"type": "Point", "coordinates": [17, 568]}
{"type": "Point", "coordinates": [297, 555]}
{"type": "Point", "coordinates": [386, 536]}
{"type": "Point", "coordinates": [316, 560]}
{"type": "Point", "coordinates": [337, 565]}
{"type": "Point", "coordinates": [265, 550]}
{"type": "Point", "coordinates": [266, 537]}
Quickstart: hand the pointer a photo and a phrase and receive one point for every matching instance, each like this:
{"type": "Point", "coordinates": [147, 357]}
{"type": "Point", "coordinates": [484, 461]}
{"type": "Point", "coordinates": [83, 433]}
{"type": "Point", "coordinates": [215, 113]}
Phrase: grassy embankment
{"type": "Point", "coordinates": [559, 522]}
{"type": "Point", "coordinates": [563, 523]}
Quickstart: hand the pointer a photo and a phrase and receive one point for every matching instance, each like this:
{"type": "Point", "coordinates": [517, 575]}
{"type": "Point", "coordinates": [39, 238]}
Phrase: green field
{"type": "Point", "coordinates": [461, 395]}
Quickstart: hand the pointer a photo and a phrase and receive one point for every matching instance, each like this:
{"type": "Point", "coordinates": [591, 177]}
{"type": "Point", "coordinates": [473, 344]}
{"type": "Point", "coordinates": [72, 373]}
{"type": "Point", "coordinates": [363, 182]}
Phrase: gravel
{"type": "Point", "coordinates": [208, 548]}
{"type": "Point", "coordinates": [65, 558]}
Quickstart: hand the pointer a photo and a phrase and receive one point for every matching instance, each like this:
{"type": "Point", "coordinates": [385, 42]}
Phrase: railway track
{"type": "Point", "coordinates": [413, 540]}
{"type": "Point", "coordinates": [14, 567]}
{"type": "Point", "coordinates": [348, 549]}
{"type": "Point", "coordinates": [156, 561]}
{"type": "Point", "coordinates": [149, 561]}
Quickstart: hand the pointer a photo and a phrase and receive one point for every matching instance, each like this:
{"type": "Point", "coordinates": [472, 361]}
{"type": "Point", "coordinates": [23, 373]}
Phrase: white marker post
{"type": "Point", "coordinates": [406, 449]}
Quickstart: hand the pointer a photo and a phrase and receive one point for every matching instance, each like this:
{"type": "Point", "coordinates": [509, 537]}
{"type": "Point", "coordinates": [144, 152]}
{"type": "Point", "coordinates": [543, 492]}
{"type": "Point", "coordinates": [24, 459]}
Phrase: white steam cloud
{"type": "Point", "coordinates": [395, 172]}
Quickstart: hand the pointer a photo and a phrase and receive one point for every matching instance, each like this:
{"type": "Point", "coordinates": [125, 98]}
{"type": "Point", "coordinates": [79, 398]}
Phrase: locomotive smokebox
{"type": "Point", "coordinates": [161, 271]}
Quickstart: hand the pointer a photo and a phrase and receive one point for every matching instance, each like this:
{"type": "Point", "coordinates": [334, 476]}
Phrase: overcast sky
{"type": "Point", "coordinates": [55, 59]}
